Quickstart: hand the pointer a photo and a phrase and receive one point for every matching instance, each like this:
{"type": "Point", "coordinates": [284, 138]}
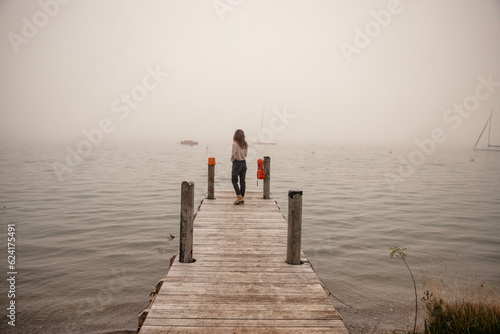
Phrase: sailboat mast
{"type": "Point", "coordinates": [262, 123]}
{"type": "Point", "coordinates": [489, 128]}
{"type": "Point", "coordinates": [489, 121]}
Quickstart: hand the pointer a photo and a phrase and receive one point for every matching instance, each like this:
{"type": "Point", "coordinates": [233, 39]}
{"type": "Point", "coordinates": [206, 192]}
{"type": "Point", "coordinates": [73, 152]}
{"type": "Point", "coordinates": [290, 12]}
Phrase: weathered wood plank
{"type": "Point", "coordinates": [249, 202]}
{"type": "Point", "coordinates": [243, 267]}
{"type": "Point", "coordinates": [242, 299]}
{"type": "Point", "coordinates": [269, 259]}
{"type": "Point", "coordinates": [230, 249]}
{"type": "Point", "coordinates": [252, 326]}
{"type": "Point", "coordinates": [222, 308]}
{"type": "Point", "coordinates": [289, 323]}
{"type": "Point", "coordinates": [236, 229]}
{"type": "Point", "coordinates": [237, 233]}
{"type": "Point", "coordinates": [285, 289]}
{"type": "Point", "coordinates": [238, 215]}
{"type": "Point", "coordinates": [252, 201]}
{"type": "Point", "coordinates": [249, 242]}
{"type": "Point", "coordinates": [246, 219]}
{"type": "Point", "coordinates": [239, 277]}
{"type": "Point", "coordinates": [230, 194]}
{"type": "Point", "coordinates": [242, 329]}
{"type": "Point", "coordinates": [208, 238]}
{"type": "Point", "coordinates": [206, 313]}
{"type": "Point", "coordinates": [223, 224]}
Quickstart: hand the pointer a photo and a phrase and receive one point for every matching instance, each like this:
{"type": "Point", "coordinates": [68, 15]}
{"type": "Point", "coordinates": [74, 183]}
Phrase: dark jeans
{"type": "Point", "coordinates": [239, 169]}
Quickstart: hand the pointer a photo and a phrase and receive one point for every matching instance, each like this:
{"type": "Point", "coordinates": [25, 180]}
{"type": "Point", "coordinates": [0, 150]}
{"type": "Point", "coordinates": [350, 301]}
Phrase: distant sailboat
{"type": "Point", "coordinates": [260, 141]}
{"type": "Point", "coordinates": [489, 147]}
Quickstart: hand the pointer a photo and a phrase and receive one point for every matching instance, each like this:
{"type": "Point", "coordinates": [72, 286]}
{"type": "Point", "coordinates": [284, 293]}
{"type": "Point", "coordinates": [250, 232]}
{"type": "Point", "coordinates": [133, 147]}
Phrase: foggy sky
{"type": "Point", "coordinates": [86, 60]}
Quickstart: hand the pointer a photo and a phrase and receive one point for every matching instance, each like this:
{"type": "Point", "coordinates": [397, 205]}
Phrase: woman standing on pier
{"type": "Point", "coordinates": [238, 155]}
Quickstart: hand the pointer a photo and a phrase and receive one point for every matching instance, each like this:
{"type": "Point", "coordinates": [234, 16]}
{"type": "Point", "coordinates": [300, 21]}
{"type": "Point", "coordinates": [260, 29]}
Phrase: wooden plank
{"type": "Point", "coordinates": [289, 323]}
{"type": "Point", "coordinates": [207, 313]}
{"type": "Point", "coordinates": [237, 258]}
{"type": "Point", "coordinates": [203, 224]}
{"type": "Point", "coordinates": [209, 237]}
{"type": "Point", "coordinates": [255, 249]}
{"type": "Point", "coordinates": [244, 219]}
{"type": "Point", "coordinates": [246, 277]}
{"type": "Point", "coordinates": [238, 208]}
{"type": "Point", "coordinates": [243, 330]}
{"type": "Point", "coordinates": [249, 202]}
{"type": "Point", "coordinates": [241, 299]}
{"type": "Point", "coordinates": [247, 308]}
{"type": "Point", "coordinates": [249, 242]}
{"type": "Point", "coordinates": [244, 249]}
{"type": "Point", "coordinates": [247, 289]}
{"type": "Point", "coordinates": [243, 267]}
{"type": "Point", "coordinates": [230, 194]}
{"type": "Point", "coordinates": [238, 214]}
{"type": "Point", "coordinates": [249, 326]}
{"type": "Point", "coordinates": [236, 233]}
{"type": "Point", "coordinates": [240, 282]}
{"type": "Point", "coordinates": [237, 227]}
{"type": "Point", "coordinates": [229, 203]}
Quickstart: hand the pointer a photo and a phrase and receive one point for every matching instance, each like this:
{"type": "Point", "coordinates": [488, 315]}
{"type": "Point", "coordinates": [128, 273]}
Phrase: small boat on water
{"type": "Point", "coordinates": [189, 142]}
{"type": "Point", "coordinates": [489, 147]}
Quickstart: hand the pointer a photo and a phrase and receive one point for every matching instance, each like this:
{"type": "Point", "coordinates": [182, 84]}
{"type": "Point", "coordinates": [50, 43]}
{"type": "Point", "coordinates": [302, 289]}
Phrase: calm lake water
{"type": "Point", "coordinates": [91, 247]}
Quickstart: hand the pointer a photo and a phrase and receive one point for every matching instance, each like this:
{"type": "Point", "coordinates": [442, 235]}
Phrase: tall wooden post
{"type": "Point", "coordinates": [187, 215]}
{"type": "Point", "coordinates": [211, 178]}
{"type": "Point", "coordinates": [294, 227]}
{"type": "Point", "coordinates": [267, 180]}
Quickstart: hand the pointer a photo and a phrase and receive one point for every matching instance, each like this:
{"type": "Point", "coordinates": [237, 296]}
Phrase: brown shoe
{"type": "Point", "coordinates": [239, 199]}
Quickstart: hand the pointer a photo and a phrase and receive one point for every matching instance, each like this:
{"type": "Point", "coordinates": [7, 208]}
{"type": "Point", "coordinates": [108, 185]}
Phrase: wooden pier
{"type": "Point", "coordinates": [240, 281]}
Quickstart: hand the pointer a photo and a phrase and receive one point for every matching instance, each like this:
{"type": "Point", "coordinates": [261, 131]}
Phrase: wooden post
{"type": "Point", "coordinates": [187, 214]}
{"type": "Point", "coordinates": [267, 180]}
{"type": "Point", "coordinates": [211, 178]}
{"type": "Point", "coordinates": [294, 227]}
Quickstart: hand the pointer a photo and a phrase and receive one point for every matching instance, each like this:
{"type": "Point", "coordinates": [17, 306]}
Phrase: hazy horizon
{"type": "Point", "coordinates": [387, 72]}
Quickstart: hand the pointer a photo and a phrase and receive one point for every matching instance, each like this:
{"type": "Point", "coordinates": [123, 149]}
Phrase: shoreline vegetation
{"type": "Point", "coordinates": [462, 307]}
{"type": "Point", "coordinates": [465, 306]}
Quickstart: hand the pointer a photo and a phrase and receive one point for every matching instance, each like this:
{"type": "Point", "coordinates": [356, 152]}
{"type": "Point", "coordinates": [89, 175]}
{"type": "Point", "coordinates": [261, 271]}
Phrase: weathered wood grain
{"type": "Point", "coordinates": [267, 179]}
{"type": "Point", "coordinates": [294, 227]}
{"type": "Point", "coordinates": [240, 282]}
{"type": "Point", "coordinates": [186, 226]}
{"type": "Point", "coordinates": [246, 289]}
{"type": "Point", "coordinates": [211, 182]}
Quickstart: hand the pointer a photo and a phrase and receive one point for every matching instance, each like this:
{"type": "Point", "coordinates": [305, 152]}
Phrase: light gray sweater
{"type": "Point", "coordinates": [238, 153]}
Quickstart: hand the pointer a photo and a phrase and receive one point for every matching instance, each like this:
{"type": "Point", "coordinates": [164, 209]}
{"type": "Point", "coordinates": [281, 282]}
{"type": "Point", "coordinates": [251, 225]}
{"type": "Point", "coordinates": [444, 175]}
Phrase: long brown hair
{"type": "Point", "coordinates": [239, 137]}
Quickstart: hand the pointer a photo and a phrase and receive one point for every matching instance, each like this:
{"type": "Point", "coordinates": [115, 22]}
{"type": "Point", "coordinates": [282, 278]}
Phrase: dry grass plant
{"type": "Point", "coordinates": [461, 306]}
